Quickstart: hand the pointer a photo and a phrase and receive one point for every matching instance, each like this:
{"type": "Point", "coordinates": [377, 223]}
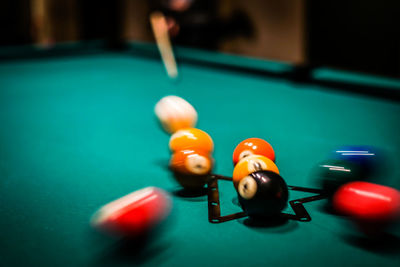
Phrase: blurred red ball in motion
{"type": "Point", "coordinates": [134, 214]}
{"type": "Point", "coordinates": [371, 206]}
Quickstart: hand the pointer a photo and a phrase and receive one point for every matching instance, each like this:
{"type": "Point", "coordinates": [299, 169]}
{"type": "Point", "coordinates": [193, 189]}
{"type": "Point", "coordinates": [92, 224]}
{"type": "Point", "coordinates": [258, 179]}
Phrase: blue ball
{"type": "Point", "coordinates": [366, 157]}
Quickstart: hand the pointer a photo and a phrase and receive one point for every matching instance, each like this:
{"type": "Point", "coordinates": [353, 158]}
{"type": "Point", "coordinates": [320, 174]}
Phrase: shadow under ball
{"type": "Point", "coordinates": [191, 182]}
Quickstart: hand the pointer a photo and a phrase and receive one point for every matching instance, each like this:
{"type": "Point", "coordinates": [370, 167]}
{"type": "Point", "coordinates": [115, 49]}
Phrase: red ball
{"type": "Point", "coordinates": [134, 214]}
{"type": "Point", "coordinates": [369, 205]}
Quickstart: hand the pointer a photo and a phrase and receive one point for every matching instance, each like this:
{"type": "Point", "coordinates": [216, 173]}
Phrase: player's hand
{"type": "Point", "coordinates": [173, 27]}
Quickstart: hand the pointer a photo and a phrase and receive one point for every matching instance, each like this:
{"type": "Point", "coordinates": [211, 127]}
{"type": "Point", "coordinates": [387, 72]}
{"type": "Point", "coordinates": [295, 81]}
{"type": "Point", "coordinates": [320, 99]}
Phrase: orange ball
{"type": "Point", "coordinates": [191, 162]}
{"type": "Point", "coordinates": [253, 146]}
{"type": "Point", "coordinates": [191, 168]}
{"type": "Point", "coordinates": [252, 164]}
{"type": "Point", "coordinates": [192, 139]}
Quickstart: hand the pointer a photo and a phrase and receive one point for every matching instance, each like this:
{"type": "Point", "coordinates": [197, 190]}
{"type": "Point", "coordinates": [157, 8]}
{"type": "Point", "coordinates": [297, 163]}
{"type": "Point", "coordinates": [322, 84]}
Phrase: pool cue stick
{"type": "Point", "coordinates": [160, 30]}
{"type": "Point", "coordinates": [41, 23]}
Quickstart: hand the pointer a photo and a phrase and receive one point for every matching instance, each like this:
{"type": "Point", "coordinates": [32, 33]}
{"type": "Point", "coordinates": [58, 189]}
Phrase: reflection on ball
{"type": "Point", "coordinates": [253, 146]}
{"type": "Point", "coordinates": [366, 157]}
{"type": "Point", "coordinates": [331, 174]}
{"type": "Point", "coordinates": [191, 138]}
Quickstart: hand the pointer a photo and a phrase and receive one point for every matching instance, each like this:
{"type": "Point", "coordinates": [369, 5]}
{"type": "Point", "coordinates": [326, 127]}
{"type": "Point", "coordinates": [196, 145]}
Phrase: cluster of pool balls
{"type": "Point", "coordinates": [261, 191]}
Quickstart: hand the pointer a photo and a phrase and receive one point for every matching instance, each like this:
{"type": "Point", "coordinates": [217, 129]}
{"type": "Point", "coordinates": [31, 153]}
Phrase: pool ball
{"type": "Point", "coordinates": [364, 156]}
{"type": "Point", "coordinates": [371, 206]}
{"type": "Point", "coordinates": [331, 174]}
{"type": "Point", "coordinates": [191, 138]}
{"type": "Point", "coordinates": [253, 146]}
{"type": "Point", "coordinates": [175, 113]}
{"type": "Point", "coordinates": [263, 194]}
{"type": "Point", "coordinates": [191, 168]}
{"type": "Point", "coordinates": [251, 164]}
{"type": "Point", "coordinates": [135, 214]}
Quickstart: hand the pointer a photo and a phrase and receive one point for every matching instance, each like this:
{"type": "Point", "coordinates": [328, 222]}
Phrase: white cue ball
{"type": "Point", "coordinates": [175, 113]}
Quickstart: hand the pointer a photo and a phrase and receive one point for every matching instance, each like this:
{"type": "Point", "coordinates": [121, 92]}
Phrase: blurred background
{"type": "Point", "coordinates": [358, 35]}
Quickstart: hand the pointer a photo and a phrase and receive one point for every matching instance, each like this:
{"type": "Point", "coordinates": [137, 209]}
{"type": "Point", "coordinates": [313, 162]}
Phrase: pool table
{"type": "Point", "coordinates": [78, 130]}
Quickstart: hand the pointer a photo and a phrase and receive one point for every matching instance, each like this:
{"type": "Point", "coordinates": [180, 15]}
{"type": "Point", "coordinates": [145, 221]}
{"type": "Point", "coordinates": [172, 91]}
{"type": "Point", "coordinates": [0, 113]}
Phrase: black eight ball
{"type": "Point", "coordinates": [263, 194]}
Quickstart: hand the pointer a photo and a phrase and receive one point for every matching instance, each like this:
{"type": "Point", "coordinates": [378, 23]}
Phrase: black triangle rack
{"type": "Point", "coordinates": [300, 213]}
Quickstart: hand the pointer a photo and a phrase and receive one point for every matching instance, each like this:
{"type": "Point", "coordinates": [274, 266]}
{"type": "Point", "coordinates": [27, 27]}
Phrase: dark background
{"type": "Point", "coordinates": [356, 35]}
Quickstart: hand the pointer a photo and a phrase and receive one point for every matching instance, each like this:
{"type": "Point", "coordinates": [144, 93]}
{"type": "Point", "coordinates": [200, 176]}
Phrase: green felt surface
{"type": "Point", "coordinates": [78, 132]}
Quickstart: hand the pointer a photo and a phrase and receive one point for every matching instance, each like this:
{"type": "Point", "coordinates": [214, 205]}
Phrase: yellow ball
{"type": "Point", "coordinates": [252, 164]}
{"type": "Point", "coordinates": [191, 138]}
